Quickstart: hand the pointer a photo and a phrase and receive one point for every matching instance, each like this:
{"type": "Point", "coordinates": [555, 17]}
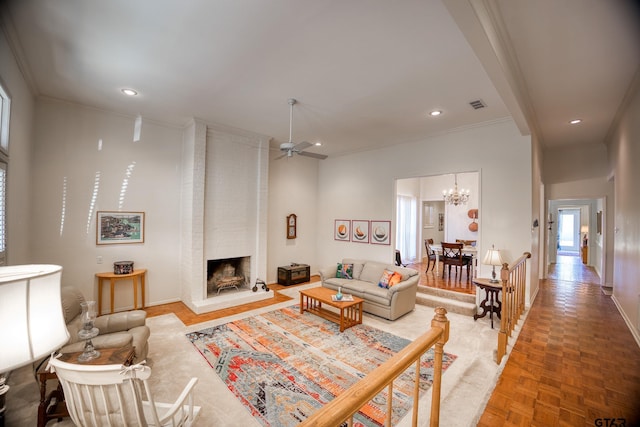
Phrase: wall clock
{"type": "Point", "coordinates": [292, 221]}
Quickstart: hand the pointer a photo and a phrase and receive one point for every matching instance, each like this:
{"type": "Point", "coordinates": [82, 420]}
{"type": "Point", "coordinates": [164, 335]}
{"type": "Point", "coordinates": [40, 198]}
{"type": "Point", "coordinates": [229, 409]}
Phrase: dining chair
{"type": "Point", "coordinates": [452, 256]}
{"type": "Point", "coordinates": [431, 254]}
{"type": "Point", "coordinates": [399, 262]}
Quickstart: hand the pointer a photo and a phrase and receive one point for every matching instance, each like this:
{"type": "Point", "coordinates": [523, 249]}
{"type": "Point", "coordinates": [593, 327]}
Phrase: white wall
{"type": "Point", "coordinates": [293, 187]}
{"type": "Point", "coordinates": [625, 157]}
{"type": "Point", "coordinates": [362, 186]}
{"type": "Point", "coordinates": [20, 146]}
{"type": "Point", "coordinates": [73, 179]}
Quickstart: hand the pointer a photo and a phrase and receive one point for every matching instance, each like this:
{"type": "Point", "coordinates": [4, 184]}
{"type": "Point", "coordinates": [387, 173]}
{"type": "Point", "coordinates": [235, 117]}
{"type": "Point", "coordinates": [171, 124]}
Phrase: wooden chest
{"type": "Point", "coordinates": [293, 274]}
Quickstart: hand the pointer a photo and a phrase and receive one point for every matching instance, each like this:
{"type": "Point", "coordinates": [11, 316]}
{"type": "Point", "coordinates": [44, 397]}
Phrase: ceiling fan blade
{"type": "Point", "coordinates": [314, 155]}
{"type": "Point", "coordinates": [279, 157]}
{"type": "Point", "coordinates": [302, 145]}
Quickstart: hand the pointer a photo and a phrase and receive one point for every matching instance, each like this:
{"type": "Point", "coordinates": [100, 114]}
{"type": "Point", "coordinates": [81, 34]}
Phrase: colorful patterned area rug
{"type": "Point", "coordinates": [284, 365]}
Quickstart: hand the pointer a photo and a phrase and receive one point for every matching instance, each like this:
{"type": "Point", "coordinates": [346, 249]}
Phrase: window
{"type": "Point", "coordinates": [406, 227]}
{"type": "Point", "coordinates": [3, 216]}
{"type": "Point", "coordinates": [5, 108]}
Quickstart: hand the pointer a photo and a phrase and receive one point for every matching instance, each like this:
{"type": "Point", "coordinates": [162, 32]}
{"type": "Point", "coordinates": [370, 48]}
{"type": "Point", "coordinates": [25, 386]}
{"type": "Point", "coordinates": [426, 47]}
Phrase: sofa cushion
{"type": "Point", "coordinates": [71, 300]}
{"type": "Point", "coordinates": [395, 279]}
{"type": "Point", "coordinates": [378, 295]}
{"type": "Point", "coordinates": [358, 264]}
{"type": "Point", "coordinates": [344, 271]}
{"type": "Point", "coordinates": [372, 272]}
{"type": "Point", "coordinates": [406, 272]}
{"type": "Point", "coordinates": [384, 279]}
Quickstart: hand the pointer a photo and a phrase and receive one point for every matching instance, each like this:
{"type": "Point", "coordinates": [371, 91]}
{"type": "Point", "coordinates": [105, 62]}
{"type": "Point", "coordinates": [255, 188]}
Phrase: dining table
{"type": "Point", "coordinates": [466, 250]}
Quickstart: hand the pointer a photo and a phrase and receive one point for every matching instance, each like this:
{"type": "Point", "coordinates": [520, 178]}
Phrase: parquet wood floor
{"type": "Point", "coordinates": [575, 362]}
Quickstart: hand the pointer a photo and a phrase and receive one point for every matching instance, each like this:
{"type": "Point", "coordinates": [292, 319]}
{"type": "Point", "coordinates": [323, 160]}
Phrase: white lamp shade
{"type": "Point", "coordinates": [31, 319]}
{"type": "Point", "coordinates": [492, 257]}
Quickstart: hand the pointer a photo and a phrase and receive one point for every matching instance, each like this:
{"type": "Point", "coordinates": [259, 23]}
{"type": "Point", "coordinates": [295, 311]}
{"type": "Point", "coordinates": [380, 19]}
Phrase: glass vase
{"type": "Point", "coordinates": [88, 331]}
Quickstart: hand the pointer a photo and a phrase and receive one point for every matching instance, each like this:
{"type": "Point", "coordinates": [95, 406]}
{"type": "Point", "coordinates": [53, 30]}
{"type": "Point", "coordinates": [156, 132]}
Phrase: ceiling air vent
{"type": "Point", "coordinates": [478, 104]}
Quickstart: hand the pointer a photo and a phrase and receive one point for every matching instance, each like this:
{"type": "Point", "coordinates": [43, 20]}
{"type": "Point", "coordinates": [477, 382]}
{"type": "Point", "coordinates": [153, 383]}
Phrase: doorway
{"type": "Point", "coordinates": [569, 232]}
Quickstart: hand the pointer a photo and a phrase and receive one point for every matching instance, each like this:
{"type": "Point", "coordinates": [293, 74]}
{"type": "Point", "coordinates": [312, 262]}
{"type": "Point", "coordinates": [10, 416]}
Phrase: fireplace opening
{"type": "Point", "coordinates": [227, 274]}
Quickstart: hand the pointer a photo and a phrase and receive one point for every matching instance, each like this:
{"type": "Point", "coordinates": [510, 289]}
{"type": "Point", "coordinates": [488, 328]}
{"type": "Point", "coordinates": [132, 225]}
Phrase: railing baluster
{"type": "Point", "coordinates": [514, 281]}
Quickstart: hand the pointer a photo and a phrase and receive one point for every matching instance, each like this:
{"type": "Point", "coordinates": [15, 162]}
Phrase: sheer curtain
{"type": "Point", "coordinates": [406, 226]}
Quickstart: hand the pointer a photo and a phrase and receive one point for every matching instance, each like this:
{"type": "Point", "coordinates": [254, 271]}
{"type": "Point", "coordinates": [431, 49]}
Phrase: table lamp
{"type": "Point", "coordinates": [585, 231]}
{"type": "Point", "coordinates": [493, 258]}
{"type": "Point", "coordinates": [31, 319]}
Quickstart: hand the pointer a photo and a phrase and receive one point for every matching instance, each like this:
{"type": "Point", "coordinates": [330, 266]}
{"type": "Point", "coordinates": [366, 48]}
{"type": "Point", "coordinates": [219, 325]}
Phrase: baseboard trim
{"type": "Point", "coordinates": [632, 328]}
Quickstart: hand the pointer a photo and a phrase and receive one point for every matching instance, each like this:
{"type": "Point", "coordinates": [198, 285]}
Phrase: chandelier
{"type": "Point", "coordinates": [455, 197]}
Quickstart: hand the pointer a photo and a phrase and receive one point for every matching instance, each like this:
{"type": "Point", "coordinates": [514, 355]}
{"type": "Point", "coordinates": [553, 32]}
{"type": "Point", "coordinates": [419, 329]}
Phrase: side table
{"type": "Point", "coordinates": [113, 278]}
{"type": "Point", "coordinates": [491, 303]}
{"type": "Point", "coordinates": [53, 406]}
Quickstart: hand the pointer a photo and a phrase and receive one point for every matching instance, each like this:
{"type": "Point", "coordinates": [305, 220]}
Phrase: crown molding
{"type": "Point", "coordinates": [9, 30]}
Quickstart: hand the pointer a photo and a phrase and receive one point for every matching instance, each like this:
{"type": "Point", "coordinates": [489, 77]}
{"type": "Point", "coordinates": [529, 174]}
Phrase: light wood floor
{"type": "Point", "coordinates": [574, 362]}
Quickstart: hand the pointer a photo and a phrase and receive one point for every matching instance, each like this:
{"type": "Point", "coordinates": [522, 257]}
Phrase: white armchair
{"type": "Point", "coordinates": [112, 395]}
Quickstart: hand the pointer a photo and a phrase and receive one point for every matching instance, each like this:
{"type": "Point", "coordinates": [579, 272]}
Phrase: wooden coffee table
{"type": "Point", "coordinates": [311, 300]}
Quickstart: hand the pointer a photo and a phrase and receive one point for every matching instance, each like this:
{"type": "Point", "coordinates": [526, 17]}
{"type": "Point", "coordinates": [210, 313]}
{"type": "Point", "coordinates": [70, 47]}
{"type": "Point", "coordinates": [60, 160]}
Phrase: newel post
{"type": "Point", "coordinates": [506, 302]}
{"type": "Point", "coordinates": [439, 321]}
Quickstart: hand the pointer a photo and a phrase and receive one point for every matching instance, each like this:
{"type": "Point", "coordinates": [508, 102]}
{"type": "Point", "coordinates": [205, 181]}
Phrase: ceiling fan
{"type": "Point", "coordinates": [288, 148]}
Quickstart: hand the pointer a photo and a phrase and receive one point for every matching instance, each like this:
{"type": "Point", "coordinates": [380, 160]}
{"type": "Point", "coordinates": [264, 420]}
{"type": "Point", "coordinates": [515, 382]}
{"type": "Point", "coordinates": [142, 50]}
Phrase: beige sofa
{"type": "Point", "coordinates": [115, 330]}
{"type": "Point", "coordinates": [390, 303]}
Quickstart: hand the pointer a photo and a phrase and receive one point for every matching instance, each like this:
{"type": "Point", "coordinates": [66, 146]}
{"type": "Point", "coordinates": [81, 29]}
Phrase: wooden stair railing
{"type": "Point", "coordinates": [344, 406]}
{"type": "Point", "coordinates": [514, 282]}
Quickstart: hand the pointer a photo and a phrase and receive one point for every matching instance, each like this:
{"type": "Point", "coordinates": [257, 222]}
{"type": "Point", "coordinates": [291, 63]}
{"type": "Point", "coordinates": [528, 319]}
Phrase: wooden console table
{"type": "Point", "coordinates": [113, 278]}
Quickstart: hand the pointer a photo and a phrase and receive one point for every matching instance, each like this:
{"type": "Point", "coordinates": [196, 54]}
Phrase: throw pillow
{"type": "Point", "coordinates": [344, 271]}
{"type": "Point", "coordinates": [395, 279]}
{"type": "Point", "coordinates": [384, 280]}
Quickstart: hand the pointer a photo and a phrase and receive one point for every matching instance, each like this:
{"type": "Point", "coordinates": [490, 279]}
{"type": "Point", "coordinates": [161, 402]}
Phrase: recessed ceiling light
{"type": "Point", "coordinates": [129, 92]}
{"type": "Point", "coordinates": [575, 121]}
{"type": "Point", "coordinates": [435, 113]}
{"type": "Point", "coordinates": [318, 144]}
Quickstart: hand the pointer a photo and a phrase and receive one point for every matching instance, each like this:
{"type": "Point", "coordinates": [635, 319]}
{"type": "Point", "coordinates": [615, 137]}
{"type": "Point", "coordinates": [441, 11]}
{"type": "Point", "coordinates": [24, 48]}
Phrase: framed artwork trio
{"type": "Point", "coordinates": [363, 231]}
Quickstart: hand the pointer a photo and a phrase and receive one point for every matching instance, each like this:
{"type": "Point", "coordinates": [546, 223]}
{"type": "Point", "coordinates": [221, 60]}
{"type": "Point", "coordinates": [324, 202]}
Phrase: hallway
{"type": "Point", "coordinates": [571, 268]}
{"type": "Point", "coordinates": [575, 362]}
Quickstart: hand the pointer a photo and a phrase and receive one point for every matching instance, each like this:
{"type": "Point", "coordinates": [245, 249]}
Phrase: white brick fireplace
{"type": "Point", "coordinates": [224, 211]}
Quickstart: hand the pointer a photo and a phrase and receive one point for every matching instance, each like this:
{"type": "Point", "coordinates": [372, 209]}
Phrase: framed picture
{"type": "Point", "coordinates": [360, 232]}
{"type": "Point", "coordinates": [119, 227]}
{"type": "Point", "coordinates": [440, 222]}
{"type": "Point", "coordinates": [342, 230]}
{"type": "Point", "coordinates": [599, 222]}
{"type": "Point", "coordinates": [380, 232]}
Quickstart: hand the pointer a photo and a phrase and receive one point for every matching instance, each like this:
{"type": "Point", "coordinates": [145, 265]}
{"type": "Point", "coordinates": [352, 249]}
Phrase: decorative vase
{"type": "Point", "coordinates": [88, 331]}
{"type": "Point", "coordinates": [339, 294]}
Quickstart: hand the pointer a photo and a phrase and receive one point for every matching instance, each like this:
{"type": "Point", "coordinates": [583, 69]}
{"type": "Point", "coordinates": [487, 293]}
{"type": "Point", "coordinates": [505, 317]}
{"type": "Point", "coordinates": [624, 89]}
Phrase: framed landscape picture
{"type": "Point", "coordinates": [380, 232]}
{"type": "Point", "coordinates": [119, 227]}
{"type": "Point", "coordinates": [342, 230]}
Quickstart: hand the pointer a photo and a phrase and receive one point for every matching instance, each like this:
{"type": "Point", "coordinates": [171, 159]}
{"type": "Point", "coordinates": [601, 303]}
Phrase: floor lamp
{"type": "Point", "coordinates": [31, 319]}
